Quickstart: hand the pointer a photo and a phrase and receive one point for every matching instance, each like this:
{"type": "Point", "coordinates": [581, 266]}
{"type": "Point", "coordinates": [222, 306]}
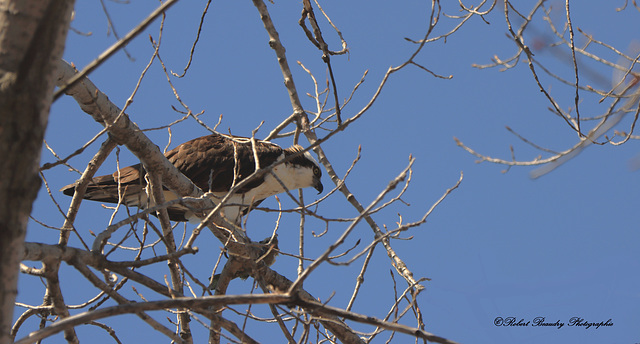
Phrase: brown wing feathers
{"type": "Point", "coordinates": [105, 188]}
{"type": "Point", "coordinates": [201, 160]}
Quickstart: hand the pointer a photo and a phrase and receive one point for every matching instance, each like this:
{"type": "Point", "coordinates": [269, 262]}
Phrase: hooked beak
{"type": "Point", "coordinates": [317, 184]}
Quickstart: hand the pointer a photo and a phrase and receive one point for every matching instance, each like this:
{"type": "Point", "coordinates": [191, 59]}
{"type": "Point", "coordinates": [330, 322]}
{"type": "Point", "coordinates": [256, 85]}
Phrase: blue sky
{"type": "Point", "coordinates": [501, 245]}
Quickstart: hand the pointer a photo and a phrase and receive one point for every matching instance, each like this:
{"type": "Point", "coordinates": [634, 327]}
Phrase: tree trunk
{"type": "Point", "coordinates": [32, 36]}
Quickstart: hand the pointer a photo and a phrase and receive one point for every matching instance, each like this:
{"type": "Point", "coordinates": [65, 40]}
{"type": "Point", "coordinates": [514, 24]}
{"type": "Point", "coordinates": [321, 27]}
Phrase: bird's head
{"type": "Point", "coordinates": [306, 170]}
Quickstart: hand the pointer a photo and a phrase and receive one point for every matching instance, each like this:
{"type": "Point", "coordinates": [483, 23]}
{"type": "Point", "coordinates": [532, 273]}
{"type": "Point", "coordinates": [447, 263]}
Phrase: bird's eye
{"type": "Point", "coordinates": [316, 171]}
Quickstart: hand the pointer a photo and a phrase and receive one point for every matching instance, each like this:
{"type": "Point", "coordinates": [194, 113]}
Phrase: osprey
{"type": "Point", "coordinates": [210, 163]}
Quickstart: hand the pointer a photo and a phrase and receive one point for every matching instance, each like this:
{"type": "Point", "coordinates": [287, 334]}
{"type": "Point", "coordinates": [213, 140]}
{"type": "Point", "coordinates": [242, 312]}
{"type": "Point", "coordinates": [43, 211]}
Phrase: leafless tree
{"type": "Point", "coordinates": [568, 42]}
{"type": "Point", "coordinates": [31, 43]}
{"type": "Point", "coordinates": [143, 254]}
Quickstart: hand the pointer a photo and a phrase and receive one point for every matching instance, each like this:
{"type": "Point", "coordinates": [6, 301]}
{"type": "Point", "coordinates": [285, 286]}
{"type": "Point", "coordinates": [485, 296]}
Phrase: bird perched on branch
{"type": "Point", "coordinates": [211, 162]}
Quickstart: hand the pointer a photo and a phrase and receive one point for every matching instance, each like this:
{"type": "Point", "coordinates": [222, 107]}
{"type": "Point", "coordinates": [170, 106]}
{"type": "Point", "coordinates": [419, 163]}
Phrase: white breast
{"type": "Point", "coordinates": [292, 177]}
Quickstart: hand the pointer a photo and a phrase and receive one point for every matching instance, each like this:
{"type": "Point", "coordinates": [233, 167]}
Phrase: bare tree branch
{"type": "Point", "coordinates": [31, 42]}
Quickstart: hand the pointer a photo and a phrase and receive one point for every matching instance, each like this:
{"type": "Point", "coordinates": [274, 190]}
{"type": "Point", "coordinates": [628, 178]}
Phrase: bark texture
{"type": "Point", "coordinates": [32, 36]}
